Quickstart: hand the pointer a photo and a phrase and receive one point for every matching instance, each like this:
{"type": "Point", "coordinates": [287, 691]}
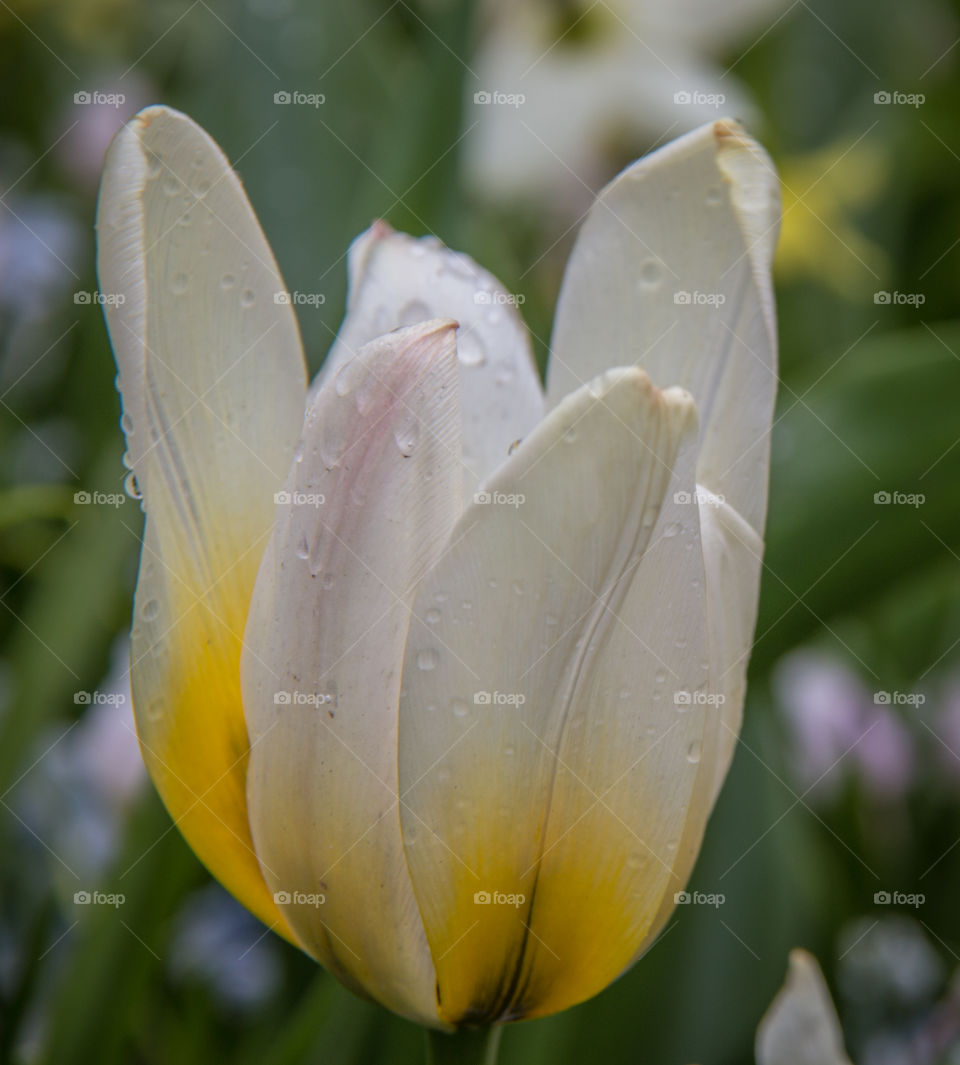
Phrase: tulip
{"type": "Point", "coordinates": [440, 672]}
{"type": "Point", "coordinates": [801, 1026]}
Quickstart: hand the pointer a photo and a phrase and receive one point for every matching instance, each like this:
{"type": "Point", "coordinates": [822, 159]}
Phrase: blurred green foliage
{"type": "Point", "coordinates": [868, 403]}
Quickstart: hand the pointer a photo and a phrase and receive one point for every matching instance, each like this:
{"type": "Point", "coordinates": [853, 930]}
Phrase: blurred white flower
{"type": "Point", "coordinates": [565, 93]}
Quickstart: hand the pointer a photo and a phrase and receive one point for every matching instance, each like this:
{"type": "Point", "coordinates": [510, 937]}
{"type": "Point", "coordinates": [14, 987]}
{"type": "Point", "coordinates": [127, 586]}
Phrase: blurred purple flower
{"type": "Point", "coordinates": [837, 729]}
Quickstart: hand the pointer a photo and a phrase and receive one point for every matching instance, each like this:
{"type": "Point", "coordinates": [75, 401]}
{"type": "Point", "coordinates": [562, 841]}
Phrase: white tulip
{"type": "Point", "coordinates": [447, 710]}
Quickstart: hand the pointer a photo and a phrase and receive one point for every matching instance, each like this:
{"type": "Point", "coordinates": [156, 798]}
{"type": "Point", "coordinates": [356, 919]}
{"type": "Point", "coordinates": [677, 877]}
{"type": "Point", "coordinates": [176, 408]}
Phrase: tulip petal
{"type": "Point", "coordinates": [689, 235]}
{"type": "Point", "coordinates": [543, 753]}
{"type": "Point", "coordinates": [213, 385]}
{"type": "Point", "coordinates": [801, 1026]}
{"type": "Point", "coordinates": [396, 280]}
{"type": "Point", "coordinates": [671, 272]}
{"type": "Point", "coordinates": [371, 501]}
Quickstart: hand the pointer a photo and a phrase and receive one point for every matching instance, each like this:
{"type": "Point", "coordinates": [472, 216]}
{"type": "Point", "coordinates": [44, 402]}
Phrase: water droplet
{"type": "Point", "coordinates": [440, 597]}
{"type": "Point", "coordinates": [201, 188]}
{"type": "Point", "coordinates": [428, 658]}
{"type": "Point", "coordinates": [470, 349]}
{"type": "Point", "coordinates": [660, 676]}
{"type": "Point", "coordinates": [327, 581]}
{"type": "Point", "coordinates": [406, 436]}
{"type": "Point", "coordinates": [505, 376]}
{"type": "Point", "coordinates": [227, 282]}
{"type": "Point", "coordinates": [171, 184]}
{"type": "Point", "coordinates": [247, 298]}
{"type": "Point", "coordinates": [466, 605]}
{"type": "Point", "coordinates": [671, 529]}
{"type": "Point", "coordinates": [432, 616]}
{"type": "Point", "coordinates": [154, 164]}
{"type": "Point", "coordinates": [650, 274]}
{"type": "Point", "coordinates": [517, 587]}
{"type": "Point", "coordinates": [570, 436]}
{"type": "Point", "coordinates": [551, 621]}
{"type": "Point", "coordinates": [714, 196]}
{"type": "Point", "coordinates": [414, 312]}
{"type": "Point", "coordinates": [492, 583]}
{"type": "Point", "coordinates": [126, 424]}
{"type": "Point", "coordinates": [624, 693]}
{"type": "Point", "coordinates": [131, 487]}
{"type": "Point", "coordinates": [303, 548]}
{"type": "Point", "coordinates": [672, 845]}
{"type": "Point", "coordinates": [151, 608]}
{"type": "Point", "coordinates": [298, 452]}
{"type": "Point", "coordinates": [635, 861]}
{"type": "Point", "coordinates": [443, 775]}
{"type": "Point", "coordinates": [460, 708]}
{"type": "Point", "coordinates": [179, 284]}
{"type": "Point", "coordinates": [509, 751]}
{"type": "Point", "coordinates": [693, 752]}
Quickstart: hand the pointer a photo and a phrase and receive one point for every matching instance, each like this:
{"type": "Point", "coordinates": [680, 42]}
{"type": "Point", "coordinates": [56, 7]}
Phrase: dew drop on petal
{"type": "Point", "coordinates": [179, 284]}
{"type": "Point", "coordinates": [227, 282]}
{"type": "Point", "coordinates": [247, 298]}
{"type": "Point", "coordinates": [414, 312]}
{"type": "Point", "coordinates": [460, 708]}
{"type": "Point", "coordinates": [428, 658]}
{"type": "Point", "coordinates": [693, 752]}
{"type": "Point", "coordinates": [151, 608]}
{"type": "Point", "coordinates": [407, 436]}
{"type": "Point", "coordinates": [650, 274]}
{"type": "Point", "coordinates": [470, 349]}
{"type": "Point", "coordinates": [432, 616]}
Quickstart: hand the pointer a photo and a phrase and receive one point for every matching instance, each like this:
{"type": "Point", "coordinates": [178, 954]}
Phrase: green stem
{"type": "Point", "coordinates": [469, 1046]}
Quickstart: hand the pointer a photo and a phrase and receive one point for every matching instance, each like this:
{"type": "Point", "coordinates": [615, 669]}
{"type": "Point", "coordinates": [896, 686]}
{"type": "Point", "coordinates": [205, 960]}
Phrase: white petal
{"type": "Point", "coordinates": [396, 280]}
{"type": "Point", "coordinates": [695, 220]}
{"type": "Point", "coordinates": [213, 385]}
{"type": "Point", "coordinates": [369, 507]}
{"type": "Point", "coordinates": [542, 754]}
{"type": "Point", "coordinates": [801, 1026]}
